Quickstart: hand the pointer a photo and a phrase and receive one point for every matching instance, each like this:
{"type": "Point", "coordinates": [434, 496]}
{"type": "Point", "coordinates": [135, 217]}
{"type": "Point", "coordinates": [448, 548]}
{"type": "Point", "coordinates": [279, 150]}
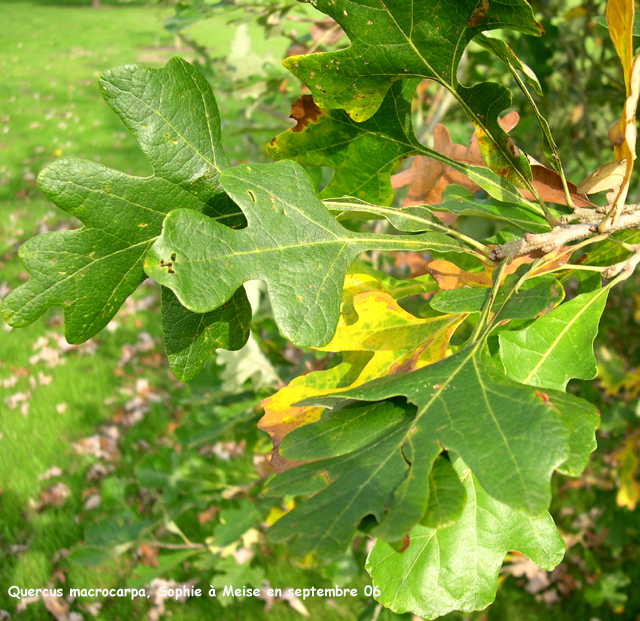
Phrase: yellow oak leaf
{"type": "Point", "coordinates": [619, 15]}
{"type": "Point", "coordinates": [628, 487]}
{"type": "Point", "coordinates": [376, 338]}
{"type": "Point", "coordinates": [623, 134]}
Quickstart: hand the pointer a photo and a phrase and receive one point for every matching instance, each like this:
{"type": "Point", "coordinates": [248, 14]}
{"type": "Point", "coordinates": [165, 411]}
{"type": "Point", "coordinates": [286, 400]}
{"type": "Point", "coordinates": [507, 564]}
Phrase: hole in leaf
{"type": "Point", "coordinates": [252, 196]}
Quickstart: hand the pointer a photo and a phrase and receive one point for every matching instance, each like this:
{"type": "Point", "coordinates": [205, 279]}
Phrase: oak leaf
{"type": "Point", "coordinates": [377, 338]}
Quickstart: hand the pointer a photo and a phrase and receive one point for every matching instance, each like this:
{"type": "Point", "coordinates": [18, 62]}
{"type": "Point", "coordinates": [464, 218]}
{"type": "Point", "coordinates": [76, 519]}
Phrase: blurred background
{"type": "Point", "coordinates": [114, 474]}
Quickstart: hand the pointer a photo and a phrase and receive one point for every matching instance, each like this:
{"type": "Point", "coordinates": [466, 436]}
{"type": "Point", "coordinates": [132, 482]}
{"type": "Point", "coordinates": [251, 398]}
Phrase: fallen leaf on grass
{"type": "Point", "coordinates": [9, 382]}
{"type": "Point", "coordinates": [92, 502]}
{"type": "Point", "coordinates": [158, 599]}
{"type": "Point", "coordinates": [143, 395]}
{"type": "Point", "coordinates": [56, 495]}
{"type": "Point", "coordinates": [98, 471]}
{"type": "Point", "coordinates": [51, 348]}
{"type": "Point", "coordinates": [130, 353]}
{"type": "Point", "coordinates": [18, 399]}
{"type": "Point", "coordinates": [54, 471]}
{"type": "Point", "coordinates": [292, 600]}
{"type": "Point", "coordinates": [44, 380]}
{"type": "Point", "coordinates": [92, 608]}
{"type": "Point", "coordinates": [100, 446]}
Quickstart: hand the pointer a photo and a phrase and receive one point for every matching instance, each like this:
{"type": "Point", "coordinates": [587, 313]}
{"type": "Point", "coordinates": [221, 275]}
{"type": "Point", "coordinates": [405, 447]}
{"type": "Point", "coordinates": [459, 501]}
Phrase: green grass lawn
{"type": "Point", "coordinates": [50, 106]}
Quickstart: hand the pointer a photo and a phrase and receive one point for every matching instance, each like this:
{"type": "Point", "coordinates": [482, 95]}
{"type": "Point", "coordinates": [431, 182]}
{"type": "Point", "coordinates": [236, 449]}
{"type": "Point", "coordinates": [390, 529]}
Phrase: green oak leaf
{"type": "Point", "coordinates": [362, 154]}
{"type": "Point", "coordinates": [515, 65]}
{"type": "Point", "coordinates": [395, 40]}
{"type": "Point", "coordinates": [447, 496]}
{"type": "Point", "coordinates": [357, 467]}
{"type": "Point", "coordinates": [412, 498]}
{"type": "Point", "coordinates": [89, 272]}
{"type": "Point", "coordinates": [558, 346]}
{"type": "Point", "coordinates": [462, 203]}
{"type": "Point", "coordinates": [512, 436]}
{"type": "Point", "coordinates": [292, 242]}
{"type": "Point", "coordinates": [525, 304]}
{"type": "Point", "coordinates": [190, 338]}
{"type": "Point", "coordinates": [456, 568]}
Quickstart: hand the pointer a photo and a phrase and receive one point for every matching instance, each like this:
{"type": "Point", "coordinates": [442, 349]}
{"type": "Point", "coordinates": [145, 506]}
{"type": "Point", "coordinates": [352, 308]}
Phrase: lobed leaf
{"type": "Point", "coordinates": [292, 242]}
{"type": "Point", "coordinates": [558, 346]}
{"type": "Point", "coordinates": [456, 568]}
{"type": "Point", "coordinates": [375, 336]}
{"type": "Point", "coordinates": [190, 338]}
{"type": "Point", "coordinates": [394, 41]}
{"type": "Point", "coordinates": [362, 154]}
{"type": "Point", "coordinates": [357, 483]}
{"type": "Point", "coordinates": [467, 405]}
{"type": "Point", "coordinates": [89, 272]}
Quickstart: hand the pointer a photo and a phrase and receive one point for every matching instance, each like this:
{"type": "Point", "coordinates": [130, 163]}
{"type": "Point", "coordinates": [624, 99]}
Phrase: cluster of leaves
{"type": "Point", "coordinates": [438, 431]}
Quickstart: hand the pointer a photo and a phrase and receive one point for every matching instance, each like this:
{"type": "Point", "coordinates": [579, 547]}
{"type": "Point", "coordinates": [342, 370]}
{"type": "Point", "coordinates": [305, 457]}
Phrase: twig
{"type": "Point", "coordinates": [624, 268]}
{"type": "Point", "coordinates": [563, 234]}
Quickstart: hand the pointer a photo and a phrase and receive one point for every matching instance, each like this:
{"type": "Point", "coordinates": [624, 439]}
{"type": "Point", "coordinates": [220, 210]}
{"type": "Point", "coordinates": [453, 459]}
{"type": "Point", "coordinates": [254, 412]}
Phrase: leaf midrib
{"type": "Point", "coordinates": [555, 342]}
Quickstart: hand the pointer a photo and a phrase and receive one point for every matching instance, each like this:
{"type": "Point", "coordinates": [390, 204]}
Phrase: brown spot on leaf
{"type": "Point", "coordinates": [304, 110]}
{"type": "Point", "coordinates": [545, 397]}
{"type": "Point", "coordinates": [405, 543]}
{"type": "Point", "coordinates": [168, 265]}
{"type": "Point", "coordinates": [478, 13]}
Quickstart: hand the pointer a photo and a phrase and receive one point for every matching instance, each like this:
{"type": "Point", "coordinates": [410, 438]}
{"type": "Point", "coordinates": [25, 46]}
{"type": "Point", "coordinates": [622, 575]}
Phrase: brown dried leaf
{"type": "Point", "coordinates": [207, 515]}
{"type": "Point", "coordinates": [608, 177]}
{"type": "Point", "coordinates": [57, 606]}
{"type": "Point", "coordinates": [55, 495]}
{"type": "Point", "coordinates": [548, 184]}
{"type": "Point", "coordinates": [50, 473]}
{"type": "Point", "coordinates": [427, 179]}
{"type": "Point", "coordinates": [624, 137]}
{"type": "Point", "coordinates": [450, 276]}
{"type": "Point", "coordinates": [416, 263]}
{"type": "Point", "coordinates": [537, 579]}
{"type": "Point", "coordinates": [304, 111]}
{"type": "Point", "coordinates": [148, 555]}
